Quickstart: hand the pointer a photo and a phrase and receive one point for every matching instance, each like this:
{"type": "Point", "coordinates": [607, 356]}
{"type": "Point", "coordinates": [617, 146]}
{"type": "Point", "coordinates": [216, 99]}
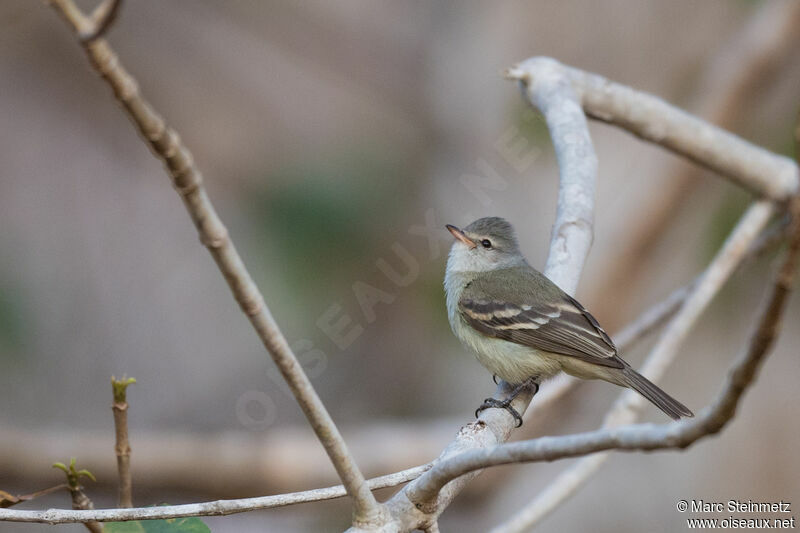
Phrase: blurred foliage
{"type": "Point", "coordinates": [530, 123]}
{"type": "Point", "coordinates": [723, 220]}
{"type": "Point", "coordinates": [734, 202]}
{"type": "Point", "coordinates": [430, 292]}
{"type": "Point", "coordinates": [173, 525]}
{"type": "Point", "coordinates": [318, 213]}
{"type": "Point", "coordinates": [789, 145]}
{"type": "Point", "coordinates": [12, 319]}
{"type": "Point", "coordinates": [778, 136]}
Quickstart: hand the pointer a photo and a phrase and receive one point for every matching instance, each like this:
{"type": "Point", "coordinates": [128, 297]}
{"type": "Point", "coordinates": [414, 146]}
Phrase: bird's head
{"type": "Point", "coordinates": [487, 244]}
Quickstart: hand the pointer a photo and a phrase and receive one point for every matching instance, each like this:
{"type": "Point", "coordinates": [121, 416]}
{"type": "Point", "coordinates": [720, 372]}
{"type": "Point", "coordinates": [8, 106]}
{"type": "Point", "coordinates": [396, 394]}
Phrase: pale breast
{"type": "Point", "coordinates": [509, 361]}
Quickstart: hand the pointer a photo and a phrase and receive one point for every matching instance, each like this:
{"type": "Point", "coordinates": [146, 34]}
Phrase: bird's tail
{"type": "Point", "coordinates": [672, 407]}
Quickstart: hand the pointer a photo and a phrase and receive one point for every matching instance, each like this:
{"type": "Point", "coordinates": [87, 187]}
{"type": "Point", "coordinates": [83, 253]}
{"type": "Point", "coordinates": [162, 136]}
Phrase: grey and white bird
{"type": "Point", "coordinates": [522, 327]}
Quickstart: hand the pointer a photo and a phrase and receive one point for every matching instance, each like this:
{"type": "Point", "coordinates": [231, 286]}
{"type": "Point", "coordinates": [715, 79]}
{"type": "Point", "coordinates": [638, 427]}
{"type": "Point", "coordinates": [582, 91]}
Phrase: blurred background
{"type": "Point", "coordinates": [336, 140]}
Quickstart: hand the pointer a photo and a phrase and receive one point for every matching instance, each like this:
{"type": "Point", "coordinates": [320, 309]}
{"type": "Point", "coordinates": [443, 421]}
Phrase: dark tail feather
{"type": "Point", "coordinates": [672, 407]}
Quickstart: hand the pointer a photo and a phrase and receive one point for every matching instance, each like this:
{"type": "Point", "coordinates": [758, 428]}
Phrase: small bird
{"type": "Point", "coordinates": [522, 327]}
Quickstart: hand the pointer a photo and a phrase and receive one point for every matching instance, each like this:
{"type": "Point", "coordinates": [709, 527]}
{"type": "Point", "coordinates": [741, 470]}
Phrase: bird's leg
{"type": "Point", "coordinates": [505, 403]}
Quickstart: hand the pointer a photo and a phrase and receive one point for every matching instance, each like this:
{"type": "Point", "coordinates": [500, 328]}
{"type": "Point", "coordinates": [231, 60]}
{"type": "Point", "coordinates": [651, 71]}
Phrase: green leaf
{"type": "Point", "coordinates": [73, 475]}
{"type": "Point", "coordinates": [124, 527]}
{"type": "Point", "coordinates": [120, 387]}
{"type": "Point", "coordinates": [86, 473]}
{"type": "Point", "coordinates": [172, 525]}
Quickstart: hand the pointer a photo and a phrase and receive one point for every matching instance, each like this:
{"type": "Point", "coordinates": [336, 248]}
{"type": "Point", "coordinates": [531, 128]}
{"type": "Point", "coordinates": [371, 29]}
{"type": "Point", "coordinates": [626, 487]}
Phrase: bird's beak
{"type": "Point", "coordinates": [458, 234]}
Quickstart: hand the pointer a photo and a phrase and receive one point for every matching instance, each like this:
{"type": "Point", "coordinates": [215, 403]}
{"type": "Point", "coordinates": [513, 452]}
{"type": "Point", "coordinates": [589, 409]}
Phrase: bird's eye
{"type": "Point", "coordinates": [486, 243]}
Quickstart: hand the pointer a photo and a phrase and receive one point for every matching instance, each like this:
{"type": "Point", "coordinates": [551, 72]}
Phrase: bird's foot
{"type": "Point", "coordinates": [500, 404]}
{"type": "Point", "coordinates": [495, 379]}
{"type": "Point", "coordinates": [531, 383]}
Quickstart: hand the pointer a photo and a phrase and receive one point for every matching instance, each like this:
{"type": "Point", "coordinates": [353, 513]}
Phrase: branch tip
{"type": "Point", "coordinates": [515, 73]}
{"type": "Point", "coordinates": [101, 20]}
{"type": "Point", "coordinates": [120, 388]}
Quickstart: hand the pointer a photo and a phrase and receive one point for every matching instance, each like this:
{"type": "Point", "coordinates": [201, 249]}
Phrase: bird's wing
{"type": "Point", "coordinates": [516, 312]}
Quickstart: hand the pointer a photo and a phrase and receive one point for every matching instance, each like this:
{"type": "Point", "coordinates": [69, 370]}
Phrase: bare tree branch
{"type": "Point", "coordinates": [10, 500]}
{"type": "Point", "coordinates": [79, 498]}
{"type": "Point", "coordinates": [654, 120]}
{"type": "Point", "coordinates": [102, 18]}
{"type": "Point", "coordinates": [217, 508]}
{"type": "Point", "coordinates": [122, 447]}
{"type": "Point", "coordinates": [555, 493]}
{"type": "Point", "coordinates": [186, 178]}
{"type": "Point", "coordinates": [573, 230]}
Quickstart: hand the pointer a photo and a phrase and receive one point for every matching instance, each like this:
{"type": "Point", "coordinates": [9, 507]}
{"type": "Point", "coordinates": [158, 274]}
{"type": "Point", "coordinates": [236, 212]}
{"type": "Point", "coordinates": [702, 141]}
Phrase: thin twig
{"type": "Point", "coordinates": [9, 500]}
{"type": "Point", "coordinates": [102, 18]}
{"type": "Point", "coordinates": [216, 508]}
{"type": "Point", "coordinates": [653, 317]}
{"type": "Point", "coordinates": [122, 448]}
{"type": "Point", "coordinates": [654, 120]}
{"type": "Point", "coordinates": [186, 178]}
{"type": "Point", "coordinates": [80, 501]}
